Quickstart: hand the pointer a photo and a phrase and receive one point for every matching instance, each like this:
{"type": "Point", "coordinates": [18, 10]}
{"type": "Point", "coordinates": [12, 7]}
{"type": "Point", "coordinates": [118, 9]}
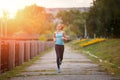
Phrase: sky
{"type": "Point", "coordinates": [62, 3]}
{"type": "Point", "coordinates": [12, 6]}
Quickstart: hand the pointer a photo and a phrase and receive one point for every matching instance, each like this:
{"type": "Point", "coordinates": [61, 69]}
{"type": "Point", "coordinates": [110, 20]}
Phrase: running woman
{"type": "Point", "coordinates": [59, 37]}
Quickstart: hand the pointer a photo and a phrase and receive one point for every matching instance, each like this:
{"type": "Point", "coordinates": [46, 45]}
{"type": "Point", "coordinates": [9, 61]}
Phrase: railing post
{"type": "Point", "coordinates": [40, 46]}
{"type": "Point", "coordinates": [32, 49]}
{"type": "Point", "coordinates": [35, 42]}
{"type": "Point", "coordinates": [0, 57]}
{"type": "Point", "coordinates": [4, 56]}
{"type": "Point", "coordinates": [37, 47]}
{"type": "Point", "coordinates": [17, 46]}
{"type": "Point", "coordinates": [21, 52]}
{"type": "Point", "coordinates": [11, 54]}
{"type": "Point", "coordinates": [27, 50]}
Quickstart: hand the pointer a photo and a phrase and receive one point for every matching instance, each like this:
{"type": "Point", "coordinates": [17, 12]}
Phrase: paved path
{"type": "Point", "coordinates": [75, 66]}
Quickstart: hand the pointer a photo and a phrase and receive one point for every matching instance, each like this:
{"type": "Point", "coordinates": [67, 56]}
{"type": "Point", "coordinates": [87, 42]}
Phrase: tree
{"type": "Point", "coordinates": [74, 20]}
{"type": "Point", "coordinates": [33, 20]}
{"type": "Point", "coordinates": [104, 18]}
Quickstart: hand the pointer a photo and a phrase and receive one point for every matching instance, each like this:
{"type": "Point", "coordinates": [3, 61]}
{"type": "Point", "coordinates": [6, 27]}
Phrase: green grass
{"type": "Point", "coordinates": [108, 51]}
{"type": "Point", "coordinates": [19, 69]}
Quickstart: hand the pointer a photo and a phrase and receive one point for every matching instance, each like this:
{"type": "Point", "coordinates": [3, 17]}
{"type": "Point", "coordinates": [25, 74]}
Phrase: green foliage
{"type": "Point", "coordinates": [104, 17]}
{"type": "Point", "coordinates": [42, 38]}
{"type": "Point", "coordinates": [74, 19]}
{"type": "Point", "coordinates": [70, 33]}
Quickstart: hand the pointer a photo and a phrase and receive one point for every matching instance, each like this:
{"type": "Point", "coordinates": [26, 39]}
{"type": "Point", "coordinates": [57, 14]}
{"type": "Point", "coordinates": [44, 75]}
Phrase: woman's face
{"type": "Point", "coordinates": [59, 27]}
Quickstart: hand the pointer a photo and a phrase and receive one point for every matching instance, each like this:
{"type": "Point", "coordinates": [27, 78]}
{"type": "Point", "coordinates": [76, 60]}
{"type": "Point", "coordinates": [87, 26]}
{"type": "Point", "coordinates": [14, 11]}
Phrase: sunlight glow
{"type": "Point", "coordinates": [1, 13]}
{"type": "Point", "coordinates": [63, 3]}
{"type": "Point", "coordinates": [11, 6]}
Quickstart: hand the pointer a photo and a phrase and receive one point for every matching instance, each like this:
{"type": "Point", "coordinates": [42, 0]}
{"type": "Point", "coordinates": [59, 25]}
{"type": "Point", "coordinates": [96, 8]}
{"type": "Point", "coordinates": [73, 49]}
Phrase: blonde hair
{"type": "Point", "coordinates": [60, 25]}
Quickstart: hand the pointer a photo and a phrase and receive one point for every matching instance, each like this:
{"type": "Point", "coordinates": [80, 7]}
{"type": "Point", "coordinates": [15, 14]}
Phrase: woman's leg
{"type": "Point", "coordinates": [61, 53]}
{"type": "Point", "coordinates": [57, 49]}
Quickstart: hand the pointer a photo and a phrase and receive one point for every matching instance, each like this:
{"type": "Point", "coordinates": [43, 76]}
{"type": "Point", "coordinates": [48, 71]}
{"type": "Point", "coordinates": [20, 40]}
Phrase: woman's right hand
{"type": "Point", "coordinates": [54, 39]}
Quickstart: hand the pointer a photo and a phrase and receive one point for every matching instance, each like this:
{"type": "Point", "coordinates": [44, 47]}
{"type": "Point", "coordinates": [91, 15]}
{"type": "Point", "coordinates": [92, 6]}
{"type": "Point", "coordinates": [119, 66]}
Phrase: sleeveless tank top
{"type": "Point", "coordinates": [59, 39]}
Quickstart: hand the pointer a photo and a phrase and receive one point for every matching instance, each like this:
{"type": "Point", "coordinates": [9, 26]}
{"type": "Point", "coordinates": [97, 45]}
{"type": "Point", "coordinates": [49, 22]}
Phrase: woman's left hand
{"type": "Point", "coordinates": [63, 38]}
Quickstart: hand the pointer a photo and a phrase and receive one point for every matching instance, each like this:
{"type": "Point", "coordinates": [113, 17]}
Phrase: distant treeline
{"type": "Point", "coordinates": [32, 19]}
{"type": "Point", "coordinates": [101, 20]}
{"type": "Point", "coordinates": [104, 18]}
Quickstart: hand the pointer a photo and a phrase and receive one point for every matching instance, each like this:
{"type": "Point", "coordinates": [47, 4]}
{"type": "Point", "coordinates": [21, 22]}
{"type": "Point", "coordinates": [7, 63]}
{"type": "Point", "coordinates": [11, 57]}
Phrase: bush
{"type": "Point", "coordinates": [43, 38]}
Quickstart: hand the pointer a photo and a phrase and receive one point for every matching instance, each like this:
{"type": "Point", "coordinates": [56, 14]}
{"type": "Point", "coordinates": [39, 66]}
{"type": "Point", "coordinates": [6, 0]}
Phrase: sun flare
{"type": "Point", "coordinates": [11, 6]}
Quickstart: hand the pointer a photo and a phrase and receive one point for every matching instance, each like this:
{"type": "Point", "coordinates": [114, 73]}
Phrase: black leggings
{"type": "Point", "coordinates": [59, 54]}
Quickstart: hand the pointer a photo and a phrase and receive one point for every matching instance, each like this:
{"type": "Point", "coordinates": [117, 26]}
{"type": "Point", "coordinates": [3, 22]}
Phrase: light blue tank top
{"type": "Point", "coordinates": [59, 39]}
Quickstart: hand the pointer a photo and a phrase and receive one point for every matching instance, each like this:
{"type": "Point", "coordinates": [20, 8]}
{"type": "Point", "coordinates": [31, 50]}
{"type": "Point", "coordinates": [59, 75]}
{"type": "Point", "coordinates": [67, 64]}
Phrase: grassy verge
{"type": "Point", "coordinates": [107, 51]}
{"type": "Point", "coordinates": [20, 68]}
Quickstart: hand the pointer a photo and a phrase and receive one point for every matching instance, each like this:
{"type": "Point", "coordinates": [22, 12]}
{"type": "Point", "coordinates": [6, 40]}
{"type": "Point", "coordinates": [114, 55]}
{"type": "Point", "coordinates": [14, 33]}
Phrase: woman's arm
{"type": "Point", "coordinates": [54, 37]}
{"type": "Point", "coordinates": [64, 36]}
